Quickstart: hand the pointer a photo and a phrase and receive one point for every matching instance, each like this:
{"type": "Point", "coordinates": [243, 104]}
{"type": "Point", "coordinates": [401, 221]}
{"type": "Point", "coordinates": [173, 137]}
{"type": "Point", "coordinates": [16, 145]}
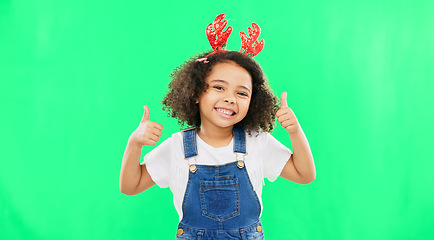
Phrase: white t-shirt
{"type": "Point", "coordinates": [167, 166]}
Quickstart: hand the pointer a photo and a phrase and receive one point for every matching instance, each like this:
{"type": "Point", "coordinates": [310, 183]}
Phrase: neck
{"type": "Point", "coordinates": [216, 137]}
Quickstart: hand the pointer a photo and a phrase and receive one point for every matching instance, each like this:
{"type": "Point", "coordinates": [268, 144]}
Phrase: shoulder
{"type": "Point", "coordinates": [262, 140]}
{"type": "Point", "coordinates": [176, 136]}
{"type": "Point", "coordinates": [257, 135]}
{"type": "Point", "coordinates": [173, 139]}
{"type": "Point", "coordinates": [169, 145]}
{"type": "Point", "coordinates": [256, 140]}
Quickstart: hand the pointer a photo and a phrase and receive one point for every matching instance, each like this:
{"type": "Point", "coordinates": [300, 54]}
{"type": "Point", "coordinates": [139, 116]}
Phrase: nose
{"type": "Point", "coordinates": [229, 97]}
{"type": "Point", "coordinates": [230, 100]}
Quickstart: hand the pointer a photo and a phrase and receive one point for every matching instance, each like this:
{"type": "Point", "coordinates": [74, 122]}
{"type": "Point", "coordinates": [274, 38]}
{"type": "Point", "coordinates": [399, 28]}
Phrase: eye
{"type": "Point", "coordinates": [218, 87]}
{"type": "Point", "coordinates": [243, 94]}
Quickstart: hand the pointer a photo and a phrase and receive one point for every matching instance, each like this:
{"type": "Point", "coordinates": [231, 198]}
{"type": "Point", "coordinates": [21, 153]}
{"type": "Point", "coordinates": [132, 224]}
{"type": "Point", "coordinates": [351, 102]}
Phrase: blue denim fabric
{"type": "Point", "coordinates": [248, 233]}
{"type": "Point", "coordinates": [219, 201]}
{"type": "Point", "coordinates": [190, 145]}
{"type": "Point", "coordinates": [239, 140]}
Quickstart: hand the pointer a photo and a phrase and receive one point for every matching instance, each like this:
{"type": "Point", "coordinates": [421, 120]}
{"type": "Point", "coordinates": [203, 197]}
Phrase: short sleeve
{"type": "Point", "coordinates": [158, 163]}
{"type": "Point", "coordinates": [277, 156]}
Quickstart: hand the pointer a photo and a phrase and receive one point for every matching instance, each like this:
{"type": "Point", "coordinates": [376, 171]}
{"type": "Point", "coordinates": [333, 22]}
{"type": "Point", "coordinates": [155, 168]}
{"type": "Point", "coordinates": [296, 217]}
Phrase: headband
{"type": "Point", "coordinates": [218, 38]}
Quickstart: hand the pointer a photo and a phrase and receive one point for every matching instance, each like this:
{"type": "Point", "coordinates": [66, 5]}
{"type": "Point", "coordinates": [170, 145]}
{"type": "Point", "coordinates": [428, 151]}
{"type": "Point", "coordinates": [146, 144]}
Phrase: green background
{"type": "Point", "coordinates": [75, 76]}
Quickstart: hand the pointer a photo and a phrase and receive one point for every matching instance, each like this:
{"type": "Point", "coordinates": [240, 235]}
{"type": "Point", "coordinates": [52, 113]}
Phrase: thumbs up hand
{"type": "Point", "coordinates": [148, 133]}
{"type": "Point", "coordinates": [286, 117]}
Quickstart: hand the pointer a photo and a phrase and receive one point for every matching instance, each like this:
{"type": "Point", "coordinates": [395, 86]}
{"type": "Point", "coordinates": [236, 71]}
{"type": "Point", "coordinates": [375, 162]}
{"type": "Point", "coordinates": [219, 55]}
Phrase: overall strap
{"type": "Point", "coordinates": [189, 140]}
{"type": "Point", "coordinates": [190, 145]}
{"type": "Point", "coordinates": [239, 140]}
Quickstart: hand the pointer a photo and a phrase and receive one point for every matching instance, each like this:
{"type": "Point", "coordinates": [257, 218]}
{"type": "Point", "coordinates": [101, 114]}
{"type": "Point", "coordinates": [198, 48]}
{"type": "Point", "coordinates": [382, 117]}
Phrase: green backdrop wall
{"type": "Point", "coordinates": [75, 75]}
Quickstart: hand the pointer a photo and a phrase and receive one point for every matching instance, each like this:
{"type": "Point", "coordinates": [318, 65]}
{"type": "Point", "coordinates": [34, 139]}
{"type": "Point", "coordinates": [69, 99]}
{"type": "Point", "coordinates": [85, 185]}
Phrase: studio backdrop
{"type": "Point", "coordinates": [75, 75]}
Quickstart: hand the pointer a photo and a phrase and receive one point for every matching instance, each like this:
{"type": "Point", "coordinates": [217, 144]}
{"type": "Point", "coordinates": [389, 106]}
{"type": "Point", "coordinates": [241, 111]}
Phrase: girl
{"type": "Point", "coordinates": [216, 168]}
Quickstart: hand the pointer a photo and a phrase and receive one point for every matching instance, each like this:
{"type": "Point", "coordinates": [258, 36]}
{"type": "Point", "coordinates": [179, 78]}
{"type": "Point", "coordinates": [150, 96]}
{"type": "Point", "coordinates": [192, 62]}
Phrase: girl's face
{"type": "Point", "coordinates": [227, 99]}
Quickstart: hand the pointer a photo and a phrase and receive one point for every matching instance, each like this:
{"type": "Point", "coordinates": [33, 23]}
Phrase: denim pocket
{"type": "Point", "coordinates": [180, 237]}
{"type": "Point", "coordinates": [220, 199]}
{"type": "Point", "coordinates": [255, 233]}
{"type": "Point", "coordinates": [185, 236]}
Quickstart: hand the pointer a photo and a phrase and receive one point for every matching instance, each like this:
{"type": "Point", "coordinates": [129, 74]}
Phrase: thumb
{"type": "Point", "coordinates": [283, 102]}
{"type": "Point", "coordinates": [145, 117]}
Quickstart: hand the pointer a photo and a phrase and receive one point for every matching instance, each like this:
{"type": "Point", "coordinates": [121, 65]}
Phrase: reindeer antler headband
{"type": "Point", "coordinates": [218, 38]}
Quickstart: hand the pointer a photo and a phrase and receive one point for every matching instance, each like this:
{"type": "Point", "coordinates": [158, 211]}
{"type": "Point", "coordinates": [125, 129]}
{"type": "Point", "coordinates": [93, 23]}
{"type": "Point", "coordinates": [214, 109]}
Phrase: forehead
{"type": "Point", "coordinates": [231, 73]}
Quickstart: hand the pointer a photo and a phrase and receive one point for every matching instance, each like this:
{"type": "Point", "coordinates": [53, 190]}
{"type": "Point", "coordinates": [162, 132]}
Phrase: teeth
{"type": "Point", "coordinates": [225, 111]}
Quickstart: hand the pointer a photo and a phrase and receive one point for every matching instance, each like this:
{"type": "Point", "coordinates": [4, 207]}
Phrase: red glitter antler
{"type": "Point", "coordinates": [218, 38]}
{"type": "Point", "coordinates": [251, 46]}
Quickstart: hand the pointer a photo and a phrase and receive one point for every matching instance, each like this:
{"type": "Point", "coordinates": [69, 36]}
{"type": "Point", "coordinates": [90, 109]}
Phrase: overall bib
{"type": "Point", "coordinates": [219, 201]}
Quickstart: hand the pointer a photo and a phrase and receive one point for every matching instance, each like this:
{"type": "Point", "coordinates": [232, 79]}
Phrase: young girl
{"type": "Point", "coordinates": [216, 168]}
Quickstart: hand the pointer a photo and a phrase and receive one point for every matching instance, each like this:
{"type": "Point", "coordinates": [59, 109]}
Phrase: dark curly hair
{"type": "Point", "coordinates": [188, 83]}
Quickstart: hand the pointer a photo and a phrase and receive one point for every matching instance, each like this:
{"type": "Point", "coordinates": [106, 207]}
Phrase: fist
{"type": "Point", "coordinates": [286, 117]}
{"type": "Point", "coordinates": [148, 133]}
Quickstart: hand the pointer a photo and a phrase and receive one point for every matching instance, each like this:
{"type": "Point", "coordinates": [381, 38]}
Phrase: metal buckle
{"type": "Point", "coordinates": [192, 167]}
{"type": "Point", "coordinates": [240, 162]}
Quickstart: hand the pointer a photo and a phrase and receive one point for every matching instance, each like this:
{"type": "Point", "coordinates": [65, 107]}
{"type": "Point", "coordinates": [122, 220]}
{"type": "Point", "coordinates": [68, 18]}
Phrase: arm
{"type": "Point", "coordinates": [134, 178]}
{"type": "Point", "coordinates": [300, 167]}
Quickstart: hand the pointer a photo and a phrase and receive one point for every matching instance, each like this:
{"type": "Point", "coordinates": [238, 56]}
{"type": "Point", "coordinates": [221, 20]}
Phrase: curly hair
{"type": "Point", "coordinates": [188, 83]}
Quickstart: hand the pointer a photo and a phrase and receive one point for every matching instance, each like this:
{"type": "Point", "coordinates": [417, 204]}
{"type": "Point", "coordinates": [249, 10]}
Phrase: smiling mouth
{"type": "Point", "coordinates": [225, 111]}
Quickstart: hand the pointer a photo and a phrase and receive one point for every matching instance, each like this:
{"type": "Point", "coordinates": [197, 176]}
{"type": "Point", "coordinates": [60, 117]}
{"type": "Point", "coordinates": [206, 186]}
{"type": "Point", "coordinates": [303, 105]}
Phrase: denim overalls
{"type": "Point", "coordinates": [219, 201]}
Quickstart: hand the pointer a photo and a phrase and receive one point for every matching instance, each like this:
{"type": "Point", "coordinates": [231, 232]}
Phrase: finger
{"type": "Point", "coordinates": [150, 143]}
{"type": "Point", "coordinates": [289, 128]}
{"type": "Point", "coordinates": [152, 137]}
{"type": "Point", "coordinates": [287, 123]}
{"type": "Point", "coordinates": [292, 128]}
{"type": "Point", "coordinates": [157, 132]}
{"type": "Point", "coordinates": [146, 114]}
{"type": "Point", "coordinates": [282, 112]}
{"type": "Point", "coordinates": [283, 118]}
{"type": "Point", "coordinates": [157, 126]}
{"type": "Point", "coordinates": [283, 103]}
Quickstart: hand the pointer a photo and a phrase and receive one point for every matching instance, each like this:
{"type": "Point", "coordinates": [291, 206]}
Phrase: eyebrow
{"type": "Point", "coordinates": [225, 82]}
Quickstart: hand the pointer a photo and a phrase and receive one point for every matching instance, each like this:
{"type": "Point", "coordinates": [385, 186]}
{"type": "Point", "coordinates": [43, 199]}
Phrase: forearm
{"type": "Point", "coordinates": [302, 156]}
{"type": "Point", "coordinates": [131, 169]}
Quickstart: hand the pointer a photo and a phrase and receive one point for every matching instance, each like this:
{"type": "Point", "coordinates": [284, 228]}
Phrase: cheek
{"type": "Point", "coordinates": [245, 106]}
{"type": "Point", "coordinates": [207, 102]}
